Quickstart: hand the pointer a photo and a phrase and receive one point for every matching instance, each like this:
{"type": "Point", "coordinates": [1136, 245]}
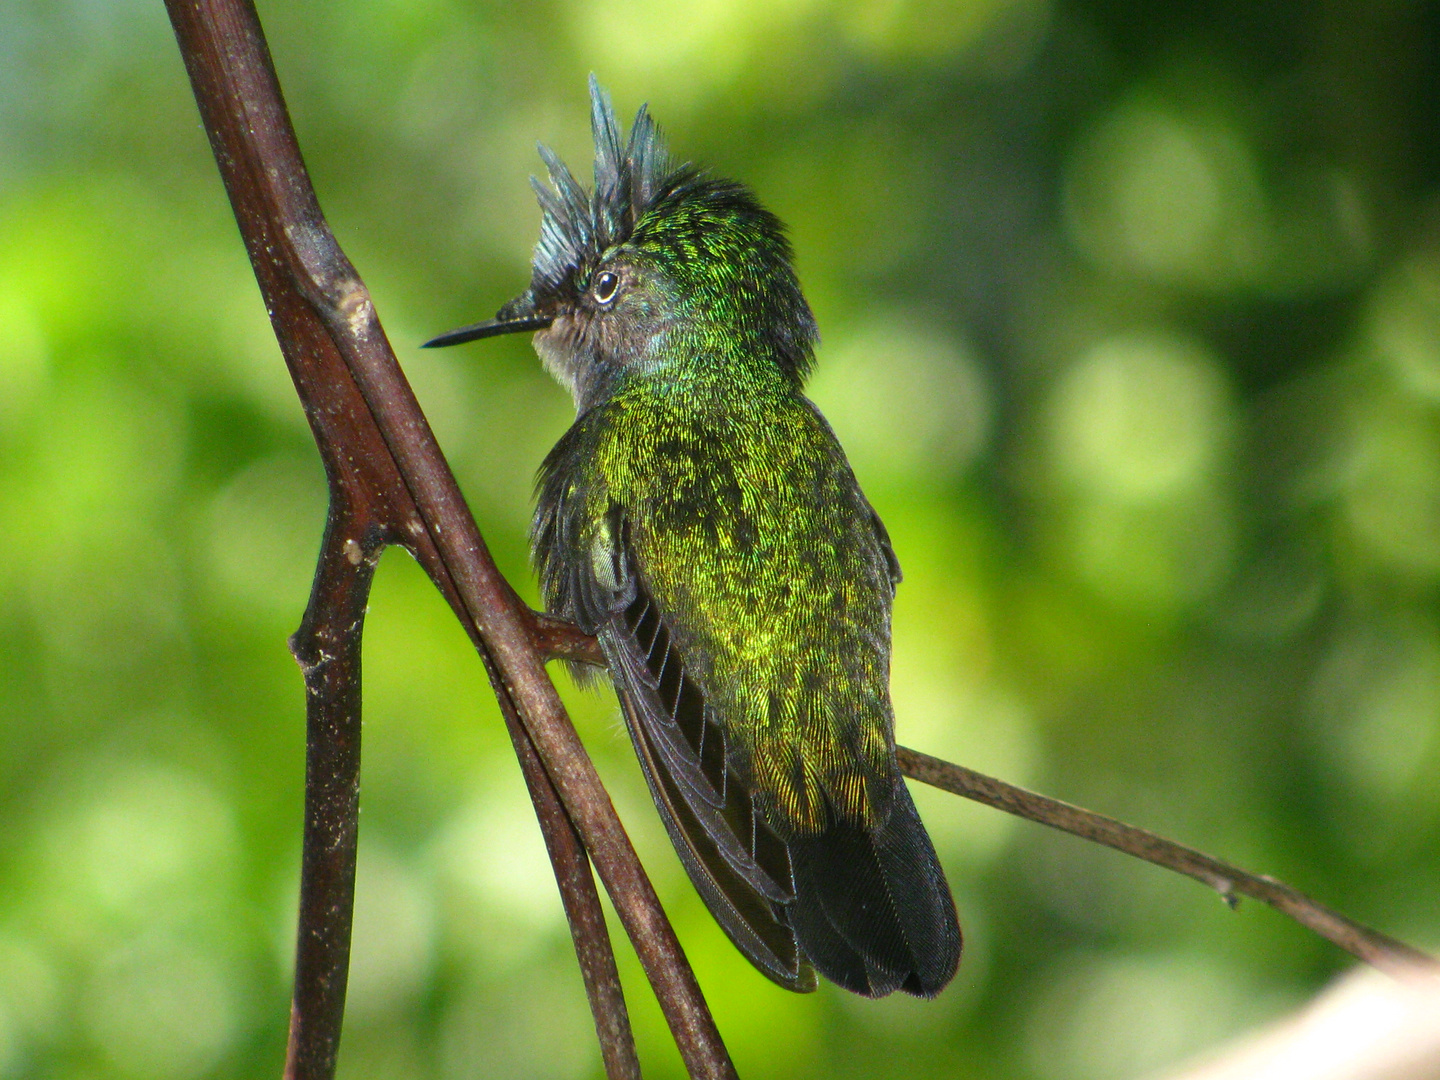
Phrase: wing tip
{"type": "Point", "coordinates": [755, 924]}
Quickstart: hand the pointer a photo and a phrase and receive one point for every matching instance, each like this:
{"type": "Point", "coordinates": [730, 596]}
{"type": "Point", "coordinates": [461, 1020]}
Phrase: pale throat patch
{"type": "Point", "coordinates": [552, 353]}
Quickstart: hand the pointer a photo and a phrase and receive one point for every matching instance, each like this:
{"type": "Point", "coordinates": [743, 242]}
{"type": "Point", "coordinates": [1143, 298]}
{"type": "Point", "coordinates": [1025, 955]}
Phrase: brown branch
{"type": "Point", "coordinates": [327, 647]}
{"type": "Point", "coordinates": [561, 639]}
{"type": "Point", "coordinates": [379, 453]}
{"type": "Point", "coordinates": [556, 639]}
{"type": "Point", "coordinates": [1229, 881]}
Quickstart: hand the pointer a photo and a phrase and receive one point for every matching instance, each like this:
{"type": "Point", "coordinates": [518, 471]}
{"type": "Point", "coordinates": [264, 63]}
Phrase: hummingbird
{"type": "Point", "coordinates": [701, 520]}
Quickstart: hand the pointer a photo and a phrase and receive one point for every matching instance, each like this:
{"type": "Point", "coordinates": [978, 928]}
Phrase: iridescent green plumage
{"type": "Point", "coordinates": [701, 519]}
{"type": "Point", "coordinates": [747, 528]}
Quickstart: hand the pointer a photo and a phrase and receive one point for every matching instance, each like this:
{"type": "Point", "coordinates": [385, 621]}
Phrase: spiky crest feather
{"type": "Point", "coordinates": [577, 228]}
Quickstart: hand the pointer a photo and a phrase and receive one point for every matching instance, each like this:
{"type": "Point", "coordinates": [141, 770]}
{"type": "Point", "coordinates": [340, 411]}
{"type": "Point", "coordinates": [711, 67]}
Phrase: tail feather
{"type": "Point", "coordinates": [872, 909]}
{"type": "Point", "coordinates": [827, 951]}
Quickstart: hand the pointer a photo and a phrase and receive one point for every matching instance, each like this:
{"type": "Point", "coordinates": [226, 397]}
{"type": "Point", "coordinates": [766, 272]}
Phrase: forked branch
{"type": "Point", "coordinates": [389, 483]}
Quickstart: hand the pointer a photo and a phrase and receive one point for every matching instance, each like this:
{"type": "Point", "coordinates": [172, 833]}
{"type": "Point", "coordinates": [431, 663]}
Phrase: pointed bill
{"type": "Point", "coordinates": [488, 328]}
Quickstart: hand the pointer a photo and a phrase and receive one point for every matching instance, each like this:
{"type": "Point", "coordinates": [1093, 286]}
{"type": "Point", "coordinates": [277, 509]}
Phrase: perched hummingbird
{"type": "Point", "coordinates": [702, 521]}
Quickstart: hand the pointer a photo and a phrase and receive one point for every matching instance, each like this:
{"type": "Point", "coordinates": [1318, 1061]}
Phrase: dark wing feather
{"type": "Point", "coordinates": [641, 656]}
{"type": "Point", "coordinates": [739, 867]}
{"type": "Point", "coordinates": [563, 543]}
{"type": "Point", "coordinates": [677, 724]}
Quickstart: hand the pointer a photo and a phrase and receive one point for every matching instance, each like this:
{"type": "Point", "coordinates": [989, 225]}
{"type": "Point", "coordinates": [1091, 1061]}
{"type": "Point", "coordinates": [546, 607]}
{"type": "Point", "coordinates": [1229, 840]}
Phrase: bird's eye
{"type": "Point", "coordinates": [604, 287]}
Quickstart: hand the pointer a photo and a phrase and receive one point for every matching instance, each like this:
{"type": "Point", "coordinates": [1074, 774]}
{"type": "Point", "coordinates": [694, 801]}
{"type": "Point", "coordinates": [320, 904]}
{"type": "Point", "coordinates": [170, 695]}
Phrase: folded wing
{"type": "Point", "coordinates": [738, 865]}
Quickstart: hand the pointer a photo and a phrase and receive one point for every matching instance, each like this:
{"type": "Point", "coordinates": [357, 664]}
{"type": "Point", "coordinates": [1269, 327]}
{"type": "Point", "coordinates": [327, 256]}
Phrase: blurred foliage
{"type": "Point", "coordinates": [1131, 320]}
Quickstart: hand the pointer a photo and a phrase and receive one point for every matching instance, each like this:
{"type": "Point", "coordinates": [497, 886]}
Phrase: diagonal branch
{"type": "Point", "coordinates": [1360, 941]}
{"type": "Point", "coordinates": [582, 909]}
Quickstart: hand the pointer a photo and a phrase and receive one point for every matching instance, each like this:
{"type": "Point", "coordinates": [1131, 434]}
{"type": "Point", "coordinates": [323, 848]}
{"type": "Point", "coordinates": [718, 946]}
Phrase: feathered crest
{"type": "Point", "coordinates": [577, 226]}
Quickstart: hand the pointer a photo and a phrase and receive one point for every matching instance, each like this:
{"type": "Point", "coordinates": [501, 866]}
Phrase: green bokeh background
{"type": "Point", "coordinates": [1131, 321]}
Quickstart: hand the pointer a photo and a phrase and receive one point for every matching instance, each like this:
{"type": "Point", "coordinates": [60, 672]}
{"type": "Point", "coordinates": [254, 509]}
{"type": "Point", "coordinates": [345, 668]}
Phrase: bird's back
{"type": "Point", "coordinates": [750, 533]}
{"type": "Point", "coordinates": [736, 574]}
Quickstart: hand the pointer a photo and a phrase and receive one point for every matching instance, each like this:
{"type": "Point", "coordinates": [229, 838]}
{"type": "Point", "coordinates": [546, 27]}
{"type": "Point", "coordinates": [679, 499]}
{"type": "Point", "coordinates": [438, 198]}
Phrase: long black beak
{"type": "Point", "coordinates": [489, 328]}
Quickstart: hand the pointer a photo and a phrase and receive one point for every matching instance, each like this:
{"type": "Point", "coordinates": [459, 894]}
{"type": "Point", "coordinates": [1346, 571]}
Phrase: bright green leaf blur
{"type": "Point", "coordinates": [1131, 322]}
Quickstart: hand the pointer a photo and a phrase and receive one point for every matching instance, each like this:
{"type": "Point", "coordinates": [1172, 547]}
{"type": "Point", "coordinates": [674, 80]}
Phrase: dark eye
{"type": "Point", "coordinates": [604, 286]}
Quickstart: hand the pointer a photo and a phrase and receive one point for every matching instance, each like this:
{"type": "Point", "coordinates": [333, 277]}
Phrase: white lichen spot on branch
{"type": "Point", "coordinates": [357, 308]}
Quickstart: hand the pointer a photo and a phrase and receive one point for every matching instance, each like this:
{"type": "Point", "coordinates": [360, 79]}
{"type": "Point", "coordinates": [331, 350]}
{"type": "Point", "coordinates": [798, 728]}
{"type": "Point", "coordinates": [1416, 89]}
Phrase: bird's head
{"type": "Point", "coordinates": [660, 271]}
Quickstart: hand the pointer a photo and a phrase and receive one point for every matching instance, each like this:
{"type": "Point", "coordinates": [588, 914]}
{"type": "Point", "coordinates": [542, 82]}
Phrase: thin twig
{"type": "Point", "coordinates": [332, 339]}
{"type": "Point", "coordinates": [556, 639]}
{"type": "Point", "coordinates": [1369, 945]}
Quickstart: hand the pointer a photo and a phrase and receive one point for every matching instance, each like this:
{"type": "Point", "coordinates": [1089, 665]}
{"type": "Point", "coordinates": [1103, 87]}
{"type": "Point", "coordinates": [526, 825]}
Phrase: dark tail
{"type": "Point", "coordinates": [872, 910]}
